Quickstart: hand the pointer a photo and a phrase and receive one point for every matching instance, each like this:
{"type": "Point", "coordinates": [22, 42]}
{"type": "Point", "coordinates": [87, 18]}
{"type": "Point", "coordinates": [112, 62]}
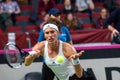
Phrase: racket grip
{"type": "Point", "coordinates": [32, 53]}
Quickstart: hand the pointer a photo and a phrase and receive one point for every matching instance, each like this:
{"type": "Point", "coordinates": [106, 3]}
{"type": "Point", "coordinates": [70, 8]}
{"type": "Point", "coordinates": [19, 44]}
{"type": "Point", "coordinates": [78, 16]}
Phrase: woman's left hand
{"type": "Point", "coordinates": [75, 56]}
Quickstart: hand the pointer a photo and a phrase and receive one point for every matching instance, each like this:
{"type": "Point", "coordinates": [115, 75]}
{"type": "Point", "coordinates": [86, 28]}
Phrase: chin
{"type": "Point", "coordinates": [52, 41]}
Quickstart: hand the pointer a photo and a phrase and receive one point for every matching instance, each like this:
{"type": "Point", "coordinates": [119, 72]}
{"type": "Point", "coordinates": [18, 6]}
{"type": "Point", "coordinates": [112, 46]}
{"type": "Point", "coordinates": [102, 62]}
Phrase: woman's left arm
{"type": "Point", "coordinates": [76, 63]}
{"type": "Point", "coordinates": [73, 56]}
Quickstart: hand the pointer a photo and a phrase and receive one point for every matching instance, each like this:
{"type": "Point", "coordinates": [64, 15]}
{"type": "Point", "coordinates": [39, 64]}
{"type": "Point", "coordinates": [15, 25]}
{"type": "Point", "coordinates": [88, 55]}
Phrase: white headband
{"type": "Point", "coordinates": [49, 25]}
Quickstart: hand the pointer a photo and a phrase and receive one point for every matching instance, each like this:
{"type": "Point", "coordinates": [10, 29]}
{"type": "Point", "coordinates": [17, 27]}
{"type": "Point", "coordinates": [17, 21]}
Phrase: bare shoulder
{"type": "Point", "coordinates": [68, 49]}
{"type": "Point", "coordinates": [39, 46]}
{"type": "Point", "coordinates": [66, 46]}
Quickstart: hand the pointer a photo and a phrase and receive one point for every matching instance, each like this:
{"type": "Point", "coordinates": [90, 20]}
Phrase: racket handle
{"type": "Point", "coordinates": [32, 53]}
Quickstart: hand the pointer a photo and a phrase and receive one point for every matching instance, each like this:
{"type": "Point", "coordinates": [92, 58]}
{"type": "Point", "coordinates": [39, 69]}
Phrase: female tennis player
{"type": "Point", "coordinates": [52, 49]}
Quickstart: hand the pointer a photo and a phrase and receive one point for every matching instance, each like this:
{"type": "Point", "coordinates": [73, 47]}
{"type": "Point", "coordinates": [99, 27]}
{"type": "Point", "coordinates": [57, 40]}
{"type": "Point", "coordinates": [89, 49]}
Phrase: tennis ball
{"type": "Point", "coordinates": [60, 59]}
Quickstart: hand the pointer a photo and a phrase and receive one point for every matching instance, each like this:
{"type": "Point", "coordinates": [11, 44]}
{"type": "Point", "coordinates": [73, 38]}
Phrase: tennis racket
{"type": "Point", "coordinates": [14, 55]}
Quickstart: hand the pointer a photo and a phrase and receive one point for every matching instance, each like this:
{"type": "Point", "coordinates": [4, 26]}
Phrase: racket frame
{"type": "Point", "coordinates": [22, 53]}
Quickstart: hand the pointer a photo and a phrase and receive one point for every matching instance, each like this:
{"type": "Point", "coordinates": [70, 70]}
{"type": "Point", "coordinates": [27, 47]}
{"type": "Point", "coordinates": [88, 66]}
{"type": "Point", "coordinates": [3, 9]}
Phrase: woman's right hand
{"type": "Point", "coordinates": [28, 60]}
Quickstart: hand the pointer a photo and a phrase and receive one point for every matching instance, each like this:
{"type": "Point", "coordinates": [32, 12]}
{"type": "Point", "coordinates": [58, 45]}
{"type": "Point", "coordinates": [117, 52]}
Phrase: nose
{"type": "Point", "coordinates": [50, 34]}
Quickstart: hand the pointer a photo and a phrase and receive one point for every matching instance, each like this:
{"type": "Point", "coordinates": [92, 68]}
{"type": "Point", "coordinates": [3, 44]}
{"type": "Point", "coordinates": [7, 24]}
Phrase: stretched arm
{"type": "Point", "coordinates": [76, 63]}
{"type": "Point", "coordinates": [29, 59]}
{"type": "Point", "coordinates": [73, 56]}
{"type": "Point", "coordinates": [38, 50]}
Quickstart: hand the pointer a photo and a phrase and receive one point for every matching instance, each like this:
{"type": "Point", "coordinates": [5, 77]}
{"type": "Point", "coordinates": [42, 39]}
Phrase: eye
{"type": "Point", "coordinates": [52, 31]}
{"type": "Point", "coordinates": [46, 32]}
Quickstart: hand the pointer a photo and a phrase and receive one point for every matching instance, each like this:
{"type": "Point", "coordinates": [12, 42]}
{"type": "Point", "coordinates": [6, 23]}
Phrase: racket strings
{"type": "Point", "coordinates": [13, 56]}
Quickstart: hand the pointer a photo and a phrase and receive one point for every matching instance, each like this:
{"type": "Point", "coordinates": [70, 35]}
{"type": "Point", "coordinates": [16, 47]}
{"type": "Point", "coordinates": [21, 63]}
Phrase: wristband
{"type": "Point", "coordinates": [32, 53]}
{"type": "Point", "coordinates": [75, 61]}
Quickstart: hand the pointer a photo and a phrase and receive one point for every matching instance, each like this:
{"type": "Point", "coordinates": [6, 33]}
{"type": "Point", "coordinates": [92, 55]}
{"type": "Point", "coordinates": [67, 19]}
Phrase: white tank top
{"type": "Point", "coordinates": [62, 70]}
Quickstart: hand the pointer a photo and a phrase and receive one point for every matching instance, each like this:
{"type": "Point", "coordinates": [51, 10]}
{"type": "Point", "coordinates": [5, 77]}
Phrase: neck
{"type": "Point", "coordinates": [54, 46]}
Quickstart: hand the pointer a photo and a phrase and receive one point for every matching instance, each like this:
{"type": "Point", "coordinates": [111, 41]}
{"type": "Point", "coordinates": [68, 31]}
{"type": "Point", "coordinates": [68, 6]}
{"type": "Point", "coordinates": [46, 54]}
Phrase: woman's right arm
{"type": "Point", "coordinates": [38, 48]}
{"type": "Point", "coordinates": [28, 60]}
